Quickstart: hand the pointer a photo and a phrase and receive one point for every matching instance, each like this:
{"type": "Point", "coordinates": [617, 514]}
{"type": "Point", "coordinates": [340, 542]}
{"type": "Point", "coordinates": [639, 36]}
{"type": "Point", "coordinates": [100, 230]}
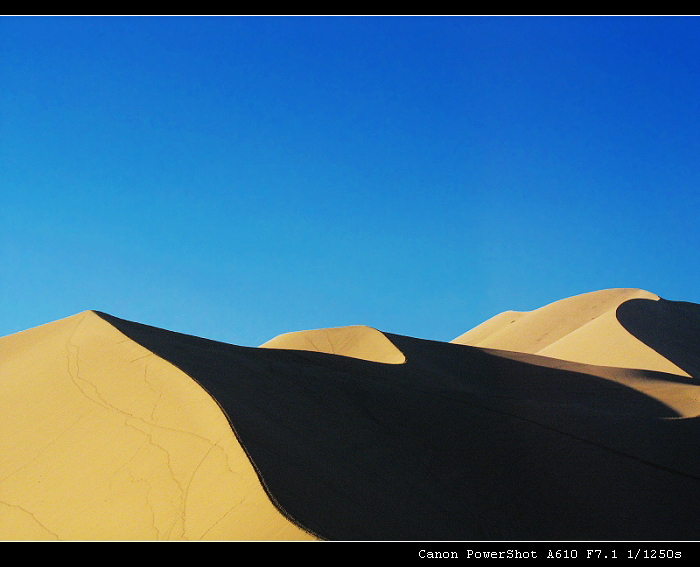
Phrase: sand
{"type": "Point", "coordinates": [102, 440]}
{"type": "Point", "coordinates": [584, 328]}
{"type": "Point", "coordinates": [356, 341]}
{"type": "Point", "coordinates": [117, 430]}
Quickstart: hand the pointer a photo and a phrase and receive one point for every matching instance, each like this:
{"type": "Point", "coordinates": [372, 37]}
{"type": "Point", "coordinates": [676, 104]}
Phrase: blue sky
{"type": "Point", "coordinates": [237, 178]}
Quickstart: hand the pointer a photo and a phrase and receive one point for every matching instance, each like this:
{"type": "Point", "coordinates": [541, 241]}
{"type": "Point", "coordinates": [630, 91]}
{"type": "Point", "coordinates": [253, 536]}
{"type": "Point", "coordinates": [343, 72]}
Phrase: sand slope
{"type": "Point", "coordinates": [101, 439]}
{"type": "Point", "coordinates": [584, 328]}
{"type": "Point", "coordinates": [356, 341]}
{"type": "Point", "coordinates": [457, 443]}
{"type": "Point", "coordinates": [117, 430]}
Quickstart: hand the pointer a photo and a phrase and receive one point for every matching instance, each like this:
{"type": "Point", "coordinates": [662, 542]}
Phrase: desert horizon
{"type": "Point", "coordinates": [354, 278]}
{"type": "Point", "coordinates": [569, 422]}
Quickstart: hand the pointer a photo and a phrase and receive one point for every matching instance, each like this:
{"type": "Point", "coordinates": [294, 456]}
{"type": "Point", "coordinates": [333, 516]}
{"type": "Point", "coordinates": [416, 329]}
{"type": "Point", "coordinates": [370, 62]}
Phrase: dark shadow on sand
{"type": "Point", "coordinates": [671, 328]}
{"type": "Point", "coordinates": [456, 444]}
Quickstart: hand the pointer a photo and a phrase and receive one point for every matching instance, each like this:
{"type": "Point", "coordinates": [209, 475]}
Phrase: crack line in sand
{"type": "Point", "coordinates": [91, 392]}
{"type": "Point", "coordinates": [214, 524]}
{"type": "Point", "coordinates": [54, 534]}
{"type": "Point", "coordinates": [330, 342]}
{"type": "Point", "coordinates": [104, 403]}
{"type": "Point", "coordinates": [43, 450]}
{"type": "Point", "coordinates": [191, 479]}
{"type": "Point", "coordinates": [313, 344]}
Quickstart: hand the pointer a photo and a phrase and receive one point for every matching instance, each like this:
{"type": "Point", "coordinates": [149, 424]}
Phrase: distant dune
{"type": "Point", "coordinates": [356, 341]}
{"type": "Point", "coordinates": [585, 328]}
{"type": "Point", "coordinates": [575, 421]}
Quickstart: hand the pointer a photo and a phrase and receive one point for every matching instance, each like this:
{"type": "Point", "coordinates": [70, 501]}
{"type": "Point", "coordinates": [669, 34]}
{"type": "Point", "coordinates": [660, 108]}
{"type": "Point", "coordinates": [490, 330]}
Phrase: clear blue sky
{"type": "Point", "coordinates": [237, 178]}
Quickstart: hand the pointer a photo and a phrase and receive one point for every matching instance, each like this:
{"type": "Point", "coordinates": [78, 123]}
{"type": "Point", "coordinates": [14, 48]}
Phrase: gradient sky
{"type": "Point", "coordinates": [238, 178]}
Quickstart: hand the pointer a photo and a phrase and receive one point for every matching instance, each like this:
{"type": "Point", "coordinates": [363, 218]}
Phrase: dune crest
{"type": "Point", "coordinates": [584, 328]}
{"type": "Point", "coordinates": [451, 444]}
{"type": "Point", "coordinates": [357, 341]}
{"type": "Point", "coordinates": [114, 430]}
{"type": "Point", "coordinates": [103, 440]}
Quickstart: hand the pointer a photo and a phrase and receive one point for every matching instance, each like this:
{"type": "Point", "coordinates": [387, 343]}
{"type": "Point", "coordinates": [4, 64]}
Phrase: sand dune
{"type": "Point", "coordinates": [101, 439]}
{"type": "Point", "coordinates": [117, 430]}
{"type": "Point", "coordinates": [357, 341]}
{"type": "Point", "coordinates": [584, 328]}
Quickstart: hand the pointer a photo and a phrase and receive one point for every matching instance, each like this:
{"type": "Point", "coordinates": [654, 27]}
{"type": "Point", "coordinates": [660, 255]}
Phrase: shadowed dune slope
{"type": "Point", "coordinates": [584, 328]}
{"type": "Point", "coordinates": [103, 440]}
{"type": "Point", "coordinates": [356, 341]}
{"type": "Point", "coordinates": [458, 443]}
{"type": "Point", "coordinates": [671, 328]}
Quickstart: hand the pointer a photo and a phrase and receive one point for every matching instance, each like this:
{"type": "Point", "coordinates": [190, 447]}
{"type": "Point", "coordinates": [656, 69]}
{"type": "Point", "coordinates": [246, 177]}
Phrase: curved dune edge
{"type": "Point", "coordinates": [356, 341]}
{"type": "Point", "coordinates": [672, 328]}
{"type": "Point", "coordinates": [103, 440]}
{"type": "Point", "coordinates": [683, 397]}
{"type": "Point", "coordinates": [456, 444]}
{"type": "Point", "coordinates": [583, 328]}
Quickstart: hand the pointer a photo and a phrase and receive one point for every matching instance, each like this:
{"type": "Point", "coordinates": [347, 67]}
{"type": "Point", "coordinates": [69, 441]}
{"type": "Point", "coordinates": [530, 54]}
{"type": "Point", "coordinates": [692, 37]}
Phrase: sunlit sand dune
{"type": "Point", "coordinates": [585, 328]}
{"type": "Point", "coordinates": [117, 430]}
{"type": "Point", "coordinates": [357, 342]}
{"type": "Point", "coordinates": [101, 439]}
